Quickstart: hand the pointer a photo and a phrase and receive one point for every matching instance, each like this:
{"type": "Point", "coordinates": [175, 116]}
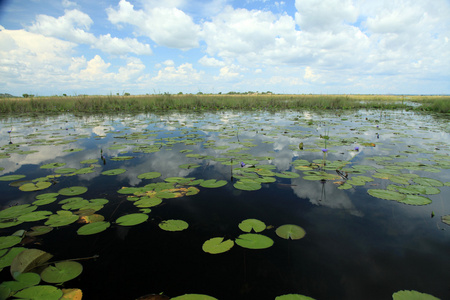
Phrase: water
{"type": "Point", "coordinates": [356, 246]}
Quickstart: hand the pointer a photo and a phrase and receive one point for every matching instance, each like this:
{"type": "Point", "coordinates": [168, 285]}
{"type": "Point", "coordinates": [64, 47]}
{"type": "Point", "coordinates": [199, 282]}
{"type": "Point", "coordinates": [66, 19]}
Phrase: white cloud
{"type": "Point", "coordinates": [228, 73]}
{"type": "Point", "coordinates": [161, 21]}
{"type": "Point", "coordinates": [210, 62]}
{"type": "Point", "coordinates": [309, 75]}
{"type": "Point", "coordinates": [185, 73]}
{"type": "Point", "coordinates": [114, 45]}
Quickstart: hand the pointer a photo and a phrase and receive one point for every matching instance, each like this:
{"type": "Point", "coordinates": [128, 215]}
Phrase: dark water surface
{"type": "Point", "coordinates": [356, 246]}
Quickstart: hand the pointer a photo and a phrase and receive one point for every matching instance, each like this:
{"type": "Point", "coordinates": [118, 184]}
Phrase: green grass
{"type": "Point", "coordinates": [155, 103]}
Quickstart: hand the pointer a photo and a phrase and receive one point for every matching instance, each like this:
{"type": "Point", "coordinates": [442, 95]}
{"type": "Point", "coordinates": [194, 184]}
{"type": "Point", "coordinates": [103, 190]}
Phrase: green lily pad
{"type": "Point", "coordinates": [39, 230]}
{"type": "Point", "coordinates": [7, 256]}
{"type": "Point", "coordinates": [61, 272]}
{"type": "Point", "coordinates": [149, 175]}
{"type": "Point", "coordinates": [27, 260]}
{"type": "Point", "coordinates": [213, 183]}
{"type": "Point", "coordinates": [73, 191]}
{"type": "Point", "coordinates": [132, 219]}
{"type": "Point", "coordinates": [287, 174]}
{"type": "Point", "coordinates": [415, 200]}
{"type": "Point", "coordinates": [148, 202]}
{"type": "Point", "coordinates": [254, 241]}
{"type": "Point", "coordinates": [173, 225]}
{"type": "Point", "coordinates": [73, 150]}
{"type": "Point", "coordinates": [293, 297]}
{"type": "Point", "coordinates": [446, 219]}
{"type": "Point", "coordinates": [114, 172]}
{"type": "Point", "coordinates": [40, 292]}
{"type": "Point", "coordinates": [121, 158]}
{"type": "Point", "coordinates": [252, 224]}
{"type": "Point", "coordinates": [31, 187]}
{"type": "Point", "coordinates": [9, 241]}
{"type": "Point", "coordinates": [15, 211]}
{"type": "Point", "coordinates": [386, 194]}
{"type": "Point", "coordinates": [61, 218]}
{"type": "Point", "coordinates": [11, 177]}
{"type": "Point", "coordinates": [22, 281]}
{"type": "Point", "coordinates": [93, 228]}
{"type": "Point", "coordinates": [53, 165]}
{"type": "Point", "coordinates": [247, 185]}
{"type": "Point", "coordinates": [289, 231]}
{"type": "Point", "coordinates": [194, 297]}
{"type": "Point", "coordinates": [65, 170]}
{"type": "Point", "coordinates": [35, 216]}
{"type": "Point", "coordinates": [217, 245]}
{"type": "Point", "coordinates": [412, 295]}
{"type": "Point", "coordinates": [189, 166]}
{"type": "Point", "coordinates": [428, 181]}
{"type": "Point", "coordinates": [89, 161]}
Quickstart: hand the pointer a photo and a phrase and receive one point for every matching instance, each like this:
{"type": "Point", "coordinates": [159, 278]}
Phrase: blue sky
{"type": "Point", "coordinates": [211, 46]}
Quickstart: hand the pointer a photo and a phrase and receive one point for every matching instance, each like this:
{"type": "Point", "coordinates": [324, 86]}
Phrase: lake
{"type": "Point", "coordinates": [370, 189]}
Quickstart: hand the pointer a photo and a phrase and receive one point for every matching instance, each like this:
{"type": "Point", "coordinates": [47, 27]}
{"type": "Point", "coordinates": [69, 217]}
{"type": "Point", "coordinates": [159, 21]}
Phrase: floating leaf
{"type": "Point", "coordinates": [132, 219]}
{"type": "Point", "coordinates": [213, 183]}
{"type": "Point", "coordinates": [11, 177]}
{"type": "Point", "coordinates": [40, 292]}
{"type": "Point", "coordinates": [73, 150]}
{"type": "Point", "coordinates": [194, 297]}
{"type": "Point", "coordinates": [9, 241]}
{"type": "Point", "coordinates": [22, 281]}
{"type": "Point", "coordinates": [428, 181]}
{"type": "Point", "coordinates": [93, 228]}
{"type": "Point", "coordinates": [415, 200]}
{"type": "Point", "coordinates": [62, 272]}
{"type": "Point", "coordinates": [15, 211]}
{"type": "Point", "coordinates": [39, 230]}
{"type": "Point", "coordinates": [386, 194]}
{"type": "Point", "coordinates": [72, 294]}
{"type": "Point", "coordinates": [217, 245]}
{"type": "Point", "coordinates": [247, 185]}
{"type": "Point", "coordinates": [412, 295]}
{"type": "Point", "coordinates": [53, 165]}
{"type": "Point", "coordinates": [61, 218]}
{"type": "Point", "coordinates": [31, 187]}
{"type": "Point", "coordinates": [27, 260]}
{"type": "Point", "coordinates": [121, 158]}
{"type": "Point", "coordinates": [114, 172]}
{"type": "Point", "coordinates": [89, 161]}
{"type": "Point", "coordinates": [252, 224]}
{"type": "Point", "coordinates": [7, 256]}
{"type": "Point", "coordinates": [149, 175]}
{"type": "Point", "coordinates": [289, 231]}
{"type": "Point", "coordinates": [287, 174]}
{"type": "Point", "coordinates": [189, 166]}
{"type": "Point", "coordinates": [147, 202]}
{"type": "Point", "coordinates": [35, 216]}
{"type": "Point", "coordinates": [254, 241]}
{"type": "Point", "coordinates": [173, 225]}
{"type": "Point", "coordinates": [293, 297]}
{"type": "Point", "coordinates": [446, 219]}
{"type": "Point", "coordinates": [73, 191]}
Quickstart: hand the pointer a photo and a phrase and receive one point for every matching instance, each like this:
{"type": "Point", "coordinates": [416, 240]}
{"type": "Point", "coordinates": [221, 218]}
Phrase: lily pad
{"type": "Point", "coordinates": [31, 187]}
{"type": "Point", "coordinates": [213, 183]}
{"type": "Point", "coordinates": [9, 241]}
{"type": "Point", "coordinates": [53, 165]}
{"type": "Point", "coordinates": [61, 218]}
{"type": "Point", "coordinates": [27, 260]}
{"type": "Point", "coordinates": [173, 225]}
{"type": "Point", "coordinates": [39, 230]}
{"type": "Point", "coordinates": [217, 245]}
{"type": "Point", "coordinates": [189, 166]}
{"type": "Point", "coordinates": [148, 202]}
{"type": "Point", "coordinates": [40, 292]}
{"type": "Point", "coordinates": [428, 181]}
{"type": "Point", "coordinates": [415, 200]}
{"type": "Point", "coordinates": [194, 297]}
{"type": "Point", "coordinates": [15, 211]}
{"type": "Point", "coordinates": [149, 175]}
{"type": "Point", "coordinates": [293, 297]}
{"type": "Point", "coordinates": [289, 231]}
{"type": "Point", "coordinates": [254, 241]}
{"type": "Point", "coordinates": [93, 228]}
{"type": "Point", "coordinates": [252, 224]}
{"type": "Point", "coordinates": [121, 158]}
{"type": "Point", "coordinates": [114, 172]}
{"type": "Point", "coordinates": [35, 216]}
{"type": "Point", "coordinates": [132, 219]}
{"type": "Point", "coordinates": [287, 174]}
{"type": "Point", "coordinates": [247, 185]}
{"type": "Point", "coordinates": [61, 272]}
{"type": "Point", "coordinates": [412, 295]}
{"type": "Point", "coordinates": [73, 191]}
{"type": "Point", "coordinates": [11, 177]}
{"type": "Point", "coordinates": [8, 255]}
{"type": "Point", "coordinates": [386, 194]}
{"type": "Point", "coordinates": [446, 219]}
{"type": "Point", "coordinates": [22, 281]}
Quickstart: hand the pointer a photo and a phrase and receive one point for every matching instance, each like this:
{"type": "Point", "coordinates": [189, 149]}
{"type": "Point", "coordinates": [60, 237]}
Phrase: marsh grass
{"type": "Point", "coordinates": [153, 103]}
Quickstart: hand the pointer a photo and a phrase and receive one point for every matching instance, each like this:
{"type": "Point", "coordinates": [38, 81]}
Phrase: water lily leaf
{"type": "Point", "coordinates": [386, 194]}
{"type": "Point", "coordinates": [74, 205]}
{"type": "Point", "coordinates": [61, 272]}
{"type": "Point", "coordinates": [15, 211]}
{"type": "Point", "coordinates": [31, 187]}
{"type": "Point", "coordinates": [148, 202]}
{"type": "Point", "coordinates": [114, 172]}
{"type": "Point", "coordinates": [217, 245]}
{"type": "Point", "coordinates": [40, 292]}
{"type": "Point", "coordinates": [247, 185]}
{"type": "Point", "coordinates": [132, 219]}
{"type": "Point", "coordinates": [72, 294]}
{"type": "Point", "coordinates": [22, 281]}
{"type": "Point", "coordinates": [121, 158]}
{"type": "Point", "coordinates": [27, 260]}
{"type": "Point", "coordinates": [73, 191]}
{"type": "Point", "coordinates": [7, 256]}
{"type": "Point", "coordinates": [189, 166]}
{"type": "Point", "coordinates": [287, 174]}
{"type": "Point", "coordinates": [73, 150]}
{"type": "Point", "coordinates": [93, 228]}
{"type": "Point", "coordinates": [39, 230]}
{"type": "Point", "coordinates": [9, 241]}
{"type": "Point", "coordinates": [173, 225]}
{"type": "Point", "coordinates": [194, 297]}
{"type": "Point", "coordinates": [11, 177]}
{"type": "Point", "coordinates": [61, 218]}
{"type": "Point", "coordinates": [149, 175]}
{"type": "Point", "coordinates": [290, 231]}
{"type": "Point", "coordinates": [213, 183]}
{"type": "Point", "coordinates": [428, 181]}
{"type": "Point", "coordinates": [90, 218]}
{"type": "Point", "coordinates": [293, 297]}
{"type": "Point", "coordinates": [252, 224]}
{"type": "Point", "coordinates": [35, 216]}
{"type": "Point", "coordinates": [89, 161]}
{"type": "Point", "coordinates": [53, 165]}
{"type": "Point", "coordinates": [415, 200]}
{"type": "Point", "coordinates": [446, 219]}
{"type": "Point", "coordinates": [44, 199]}
{"type": "Point", "coordinates": [254, 241]}
{"type": "Point", "coordinates": [412, 295]}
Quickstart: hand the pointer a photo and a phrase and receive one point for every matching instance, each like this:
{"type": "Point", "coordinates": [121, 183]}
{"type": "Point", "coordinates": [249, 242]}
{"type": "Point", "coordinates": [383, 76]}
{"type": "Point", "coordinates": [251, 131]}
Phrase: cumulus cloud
{"type": "Point", "coordinates": [161, 21]}
{"type": "Point", "coordinates": [210, 62]}
{"type": "Point", "coordinates": [185, 73]}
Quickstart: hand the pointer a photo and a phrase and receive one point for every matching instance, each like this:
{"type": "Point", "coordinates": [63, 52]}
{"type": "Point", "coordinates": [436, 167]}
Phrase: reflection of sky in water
{"type": "Point", "coordinates": [348, 231]}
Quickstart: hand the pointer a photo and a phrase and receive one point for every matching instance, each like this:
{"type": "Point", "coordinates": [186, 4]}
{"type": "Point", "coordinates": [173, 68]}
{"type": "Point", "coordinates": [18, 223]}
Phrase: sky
{"type": "Point", "coordinates": [216, 46]}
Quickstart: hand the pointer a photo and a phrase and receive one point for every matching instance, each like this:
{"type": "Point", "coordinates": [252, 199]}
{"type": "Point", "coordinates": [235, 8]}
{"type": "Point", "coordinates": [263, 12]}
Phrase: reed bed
{"type": "Point", "coordinates": [166, 102]}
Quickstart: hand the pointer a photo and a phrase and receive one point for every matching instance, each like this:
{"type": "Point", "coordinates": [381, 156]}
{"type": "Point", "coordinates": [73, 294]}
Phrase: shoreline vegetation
{"type": "Point", "coordinates": [214, 102]}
